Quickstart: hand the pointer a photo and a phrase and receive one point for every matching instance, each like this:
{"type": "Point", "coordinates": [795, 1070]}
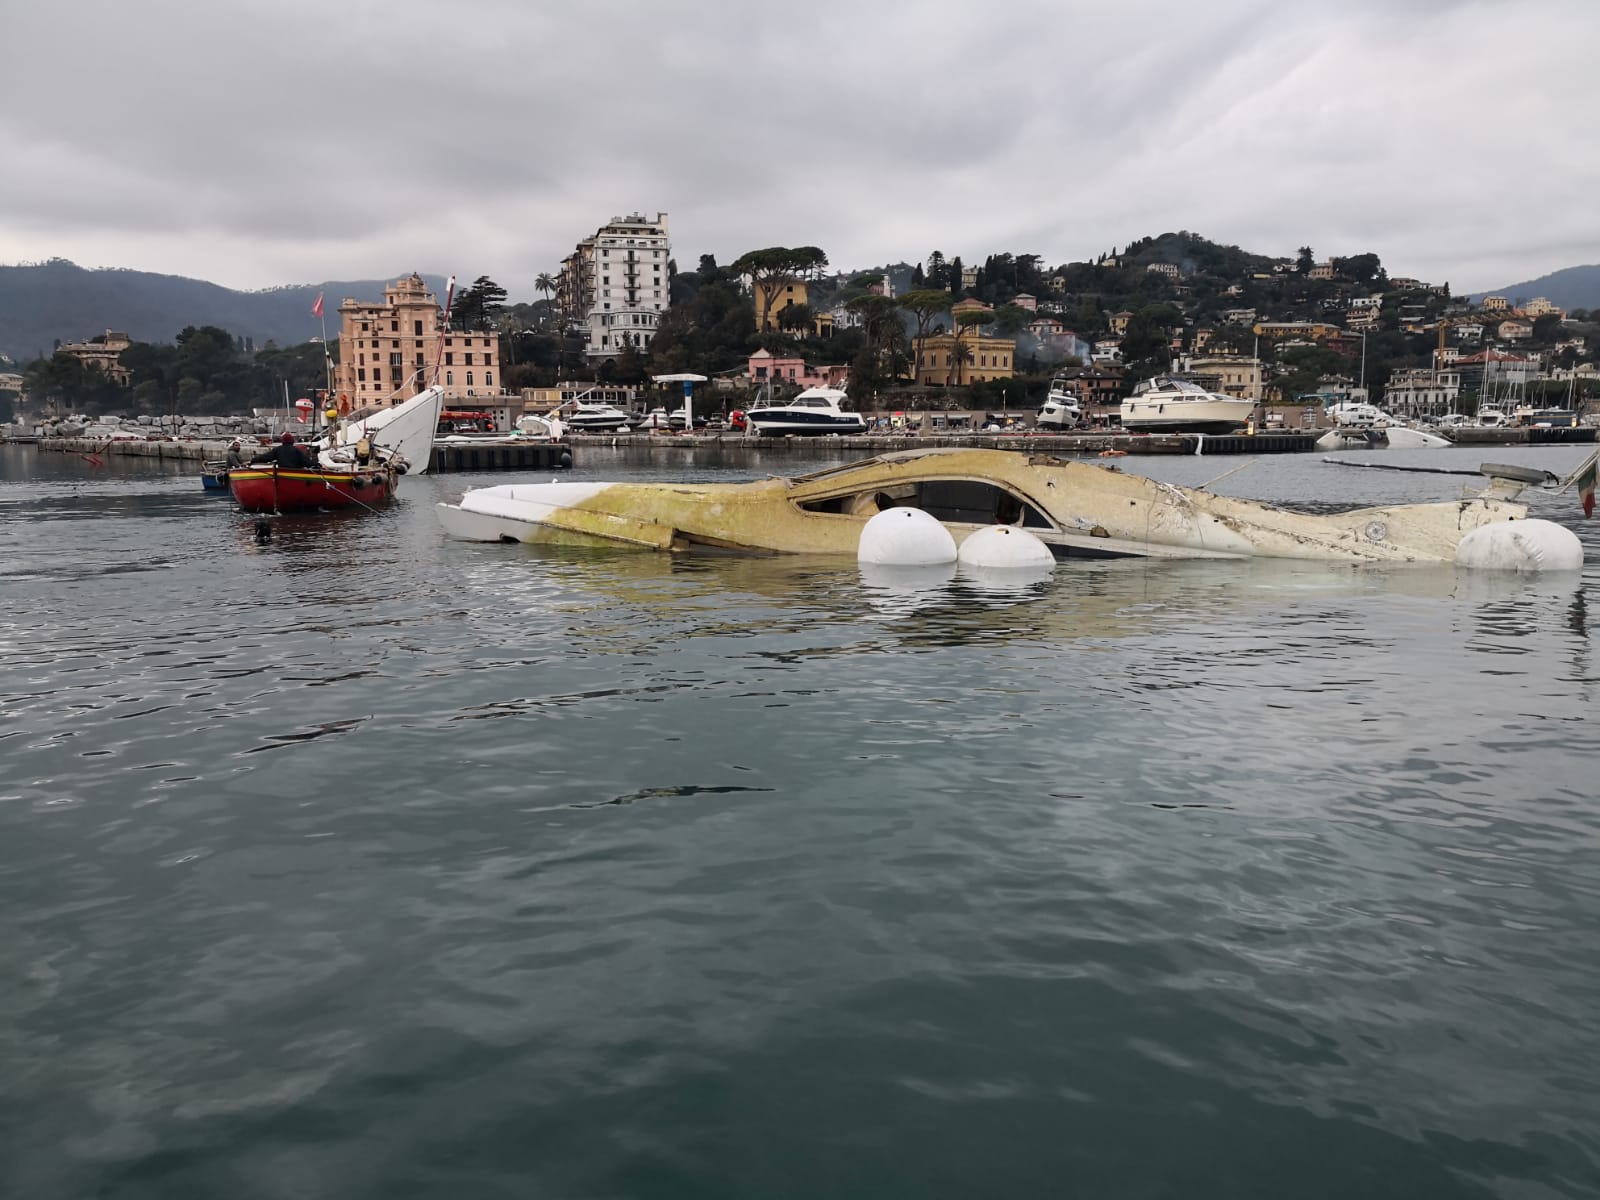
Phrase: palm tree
{"type": "Point", "coordinates": [545, 283]}
{"type": "Point", "coordinates": [960, 353]}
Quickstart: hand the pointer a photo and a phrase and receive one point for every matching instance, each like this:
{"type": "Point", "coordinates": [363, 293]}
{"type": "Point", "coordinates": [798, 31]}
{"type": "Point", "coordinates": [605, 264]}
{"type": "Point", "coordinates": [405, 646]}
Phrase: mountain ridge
{"type": "Point", "coordinates": [1568, 288]}
{"type": "Point", "coordinates": [41, 303]}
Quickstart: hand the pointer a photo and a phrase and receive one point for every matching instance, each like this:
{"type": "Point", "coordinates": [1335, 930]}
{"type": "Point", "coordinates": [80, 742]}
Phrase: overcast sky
{"type": "Point", "coordinates": [274, 142]}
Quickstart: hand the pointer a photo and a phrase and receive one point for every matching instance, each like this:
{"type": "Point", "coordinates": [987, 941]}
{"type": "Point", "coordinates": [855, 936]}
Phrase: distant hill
{"type": "Point", "coordinates": [1568, 288]}
{"type": "Point", "coordinates": [58, 299]}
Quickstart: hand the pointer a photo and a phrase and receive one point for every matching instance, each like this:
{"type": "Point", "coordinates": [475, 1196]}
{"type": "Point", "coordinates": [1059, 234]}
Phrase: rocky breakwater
{"type": "Point", "coordinates": [195, 439]}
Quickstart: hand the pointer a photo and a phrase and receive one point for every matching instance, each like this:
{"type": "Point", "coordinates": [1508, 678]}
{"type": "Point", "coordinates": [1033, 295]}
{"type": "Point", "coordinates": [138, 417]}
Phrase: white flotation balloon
{"type": "Point", "coordinates": [1000, 547]}
{"type": "Point", "coordinates": [905, 537]}
{"type": "Point", "coordinates": [1531, 545]}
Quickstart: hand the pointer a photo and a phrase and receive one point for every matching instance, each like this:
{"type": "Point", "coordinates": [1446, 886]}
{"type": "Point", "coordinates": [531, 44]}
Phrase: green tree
{"type": "Point", "coordinates": [775, 268]}
{"type": "Point", "coordinates": [480, 306]}
{"type": "Point", "coordinates": [1305, 260]}
{"type": "Point", "coordinates": [885, 332]}
{"type": "Point", "coordinates": [797, 318]}
{"type": "Point", "coordinates": [924, 306]}
{"type": "Point", "coordinates": [960, 352]}
{"type": "Point", "coordinates": [1363, 268]}
{"type": "Point", "coordinates": [1011, 319]}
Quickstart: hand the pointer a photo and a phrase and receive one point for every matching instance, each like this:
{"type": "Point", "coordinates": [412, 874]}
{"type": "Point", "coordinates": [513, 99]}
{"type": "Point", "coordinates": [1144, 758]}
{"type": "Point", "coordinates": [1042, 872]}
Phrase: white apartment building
{"type": "Point", "coordinates": [616, 284]}
{"type": "Point", "coordinates": [1422, 393]}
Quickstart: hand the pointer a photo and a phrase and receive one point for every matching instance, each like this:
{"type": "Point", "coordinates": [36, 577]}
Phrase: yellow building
{"type": "Point", "coordinates": [767, 312]}
{"type": "Point", "coordinates": [388, 352]}
{"type": "Point", "coordinates": [1495, 304]}
{"type": "Point", "coordinates": [1314, 331]}
{"type": "Point", "coordinates": [985, 358]}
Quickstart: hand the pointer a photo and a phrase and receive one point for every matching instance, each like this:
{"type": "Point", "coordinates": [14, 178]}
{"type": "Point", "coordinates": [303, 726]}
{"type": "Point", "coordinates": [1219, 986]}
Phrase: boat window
{"type": "Point", "coordinates": [966, 501]}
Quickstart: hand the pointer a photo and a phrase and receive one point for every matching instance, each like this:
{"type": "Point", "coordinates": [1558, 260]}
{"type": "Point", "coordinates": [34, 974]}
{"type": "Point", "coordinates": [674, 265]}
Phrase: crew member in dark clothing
{"type": "Point", "coordinates": [286, 455]}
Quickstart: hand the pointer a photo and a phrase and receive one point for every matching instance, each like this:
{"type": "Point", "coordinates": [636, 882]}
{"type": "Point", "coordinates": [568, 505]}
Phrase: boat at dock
{"type": "Point", "coordinates": [1061, 409]}
{"type": "Point", "coordinates": [1077, 509]}
{"type": "Point", "coordinates": [1168, 404]}
{"type": "Point", "coordinates": [587, 417]}
{"type": "Point", "coordinates": [814, 412]}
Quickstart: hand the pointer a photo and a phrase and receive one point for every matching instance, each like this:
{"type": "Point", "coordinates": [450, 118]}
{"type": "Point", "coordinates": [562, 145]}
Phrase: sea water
{"type": "Point", "coordinates": [343, 860]}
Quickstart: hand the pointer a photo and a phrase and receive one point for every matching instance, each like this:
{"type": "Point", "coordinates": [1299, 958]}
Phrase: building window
{"type": "Point", "coordinates": [416, 328]}
{"type": "Point", "coordinates": [488, 379]}
{"type": "Point", "coordinates": [394, 326]}
{"type": "Point", "coordinates": [469, 378]}
{"type": "Point", "coordinates": [449, 358]}
{"type": "Point", "coordinates": [361, 374]}
{"type": "Point", "coordinates": [363, 327]}
{"type": "Point", "coordinates": [449, 379]}
{"type": "Point", "coordinates": [377, 374]}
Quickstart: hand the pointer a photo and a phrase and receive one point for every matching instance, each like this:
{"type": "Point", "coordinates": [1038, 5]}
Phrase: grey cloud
{"type": "Point", "coordinates": [259, 143]}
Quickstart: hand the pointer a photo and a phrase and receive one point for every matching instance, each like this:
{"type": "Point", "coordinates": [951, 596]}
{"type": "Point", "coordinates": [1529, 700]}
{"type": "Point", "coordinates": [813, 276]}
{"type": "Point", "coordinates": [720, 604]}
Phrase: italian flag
{"type": "Point", "coordinates": [1584, 477]}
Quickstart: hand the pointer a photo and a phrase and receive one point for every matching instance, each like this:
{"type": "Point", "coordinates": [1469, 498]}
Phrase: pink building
{"type": "Point", "coordinates": [764, 366]}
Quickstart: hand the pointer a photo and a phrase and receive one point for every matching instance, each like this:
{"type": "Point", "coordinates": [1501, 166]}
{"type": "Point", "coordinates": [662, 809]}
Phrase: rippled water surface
{"type": "Point", "coordinates": [356, 862]}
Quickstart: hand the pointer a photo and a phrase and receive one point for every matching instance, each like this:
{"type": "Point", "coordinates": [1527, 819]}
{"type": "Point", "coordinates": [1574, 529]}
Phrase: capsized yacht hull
{"type": "Point", "coordinates": [1077, 509]}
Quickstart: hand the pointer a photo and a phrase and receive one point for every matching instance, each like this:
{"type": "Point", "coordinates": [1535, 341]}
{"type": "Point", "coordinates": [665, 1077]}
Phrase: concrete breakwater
{"type": "Point", "coordinates": [1094, 443]}
{"type": "Point", "coordinates": [194, 451]}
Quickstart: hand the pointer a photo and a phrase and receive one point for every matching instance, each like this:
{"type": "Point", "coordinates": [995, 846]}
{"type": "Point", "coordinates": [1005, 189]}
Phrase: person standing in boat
{"type": "Point", "coordinates": [285, 455]}
{"type": "Point", "coordinates": [235, 456]}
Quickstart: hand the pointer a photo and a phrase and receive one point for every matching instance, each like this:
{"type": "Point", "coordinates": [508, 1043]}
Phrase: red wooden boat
{"type": "Point", "coordinates": [269, 488]}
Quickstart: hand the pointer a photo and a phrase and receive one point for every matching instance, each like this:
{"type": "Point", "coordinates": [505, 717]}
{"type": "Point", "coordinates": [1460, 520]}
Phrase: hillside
{"type": "Point", "coordinates": [61, 300]}
{"type": "Point", "coordinates": [1569, 288]}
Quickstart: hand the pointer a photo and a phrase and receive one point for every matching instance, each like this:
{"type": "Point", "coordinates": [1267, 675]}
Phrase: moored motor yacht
{"type": "Point", "coordinates": [815, 411]}
{"type": "Point", "coordinates": [595, 418]}
{"type": "Point", "coordinates": [1167, 404]}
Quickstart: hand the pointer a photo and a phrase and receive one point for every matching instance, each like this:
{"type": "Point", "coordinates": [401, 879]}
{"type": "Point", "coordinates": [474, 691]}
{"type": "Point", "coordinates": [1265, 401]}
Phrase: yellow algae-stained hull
{"type": "Point", "coordinates": [1078, 509]}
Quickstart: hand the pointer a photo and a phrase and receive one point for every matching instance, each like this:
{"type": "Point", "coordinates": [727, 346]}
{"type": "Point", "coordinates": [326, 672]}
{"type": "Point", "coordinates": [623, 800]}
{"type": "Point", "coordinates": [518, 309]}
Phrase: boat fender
{"type": "Point", "coordinates": [905, 537]}
{"type": "Point", "coordinates": [999, 547]}
{"type": "Point", "coordinates": [358, 481]}
{"type": "Point", "coordinates": [1532, 545]}
{"type": "Point", "coordinates": [566, 458]}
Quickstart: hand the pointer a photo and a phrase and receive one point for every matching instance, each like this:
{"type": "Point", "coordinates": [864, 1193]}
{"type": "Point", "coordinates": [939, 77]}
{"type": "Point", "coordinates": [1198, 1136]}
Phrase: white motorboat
{"type": "Point", "coordinates": [595, 418]}
{"type": "Point", "coordinates": [814, 411]}
{"type": "Point", "coordinates": [549, 426]}
{"type": "Point", "coordinates": [406, 429]}
{"type": "Point", "coordinates": [1061, 408]}
{"type": "Point", "coordinates": [1167, 404]}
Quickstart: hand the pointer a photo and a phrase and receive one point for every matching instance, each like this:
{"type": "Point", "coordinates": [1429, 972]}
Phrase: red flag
{"type": "Point", "coordinates": [316, 309]}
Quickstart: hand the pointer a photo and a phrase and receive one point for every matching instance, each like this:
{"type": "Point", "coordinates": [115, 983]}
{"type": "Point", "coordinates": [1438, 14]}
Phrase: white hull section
{"type": "Point", "coordinates": [1174, 416]}
{"type": "Point", "coordinates": [406, 429]}
{"type": "Point", "coordinates": [779, 424]}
